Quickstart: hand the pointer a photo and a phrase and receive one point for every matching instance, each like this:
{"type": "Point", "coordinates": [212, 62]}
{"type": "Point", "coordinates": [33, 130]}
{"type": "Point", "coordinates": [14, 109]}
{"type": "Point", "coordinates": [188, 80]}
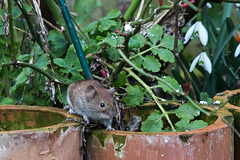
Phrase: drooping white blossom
{"type": "Point", "coordinates": [197, 30]}
{"type": "Point", "coordinates": [237, 51]}
{"type": "Point", "coordinates": [203, 60]}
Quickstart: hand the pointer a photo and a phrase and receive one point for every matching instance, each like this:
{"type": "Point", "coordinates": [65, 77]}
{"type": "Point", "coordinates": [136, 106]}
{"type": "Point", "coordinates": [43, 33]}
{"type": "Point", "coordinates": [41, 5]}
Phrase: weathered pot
{"type": "Point", "coordinates": [232, 100]}
{"type": "Point", "coordinates": [213, 142]}
{"type": "Point", "coordinates": [37, 133]}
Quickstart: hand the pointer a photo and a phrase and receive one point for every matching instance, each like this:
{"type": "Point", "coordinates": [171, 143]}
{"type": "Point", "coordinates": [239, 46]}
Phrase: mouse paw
{"type": "Point", "coordinates": [109, 128]}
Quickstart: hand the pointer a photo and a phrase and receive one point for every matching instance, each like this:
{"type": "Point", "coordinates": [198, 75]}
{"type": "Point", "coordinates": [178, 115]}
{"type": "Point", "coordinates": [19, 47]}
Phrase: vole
{"type": "Point", "coordinates": [91, 100]}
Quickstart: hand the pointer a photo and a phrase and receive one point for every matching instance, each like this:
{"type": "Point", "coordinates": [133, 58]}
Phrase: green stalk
{"type": "Point", "coordinates": [57, 16]}
{"type": "Point", "coordinates": [131, 10]}
{"type": "Point", "coordinates": [75, 40]}
{"type": "Point", "coordinates": [145, 8]}
{"type": "Point", "coordinates": [191, 5]}
{"type": "Point", "coordinates": [52, 78]}
{"type": "Point", "coordinates": [12, 46]}
{"type": "Point", "coordinates": [153, 96]}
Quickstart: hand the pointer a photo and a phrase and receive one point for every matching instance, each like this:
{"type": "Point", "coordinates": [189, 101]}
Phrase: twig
{"type": "Point", "coordinates": [176, 54]}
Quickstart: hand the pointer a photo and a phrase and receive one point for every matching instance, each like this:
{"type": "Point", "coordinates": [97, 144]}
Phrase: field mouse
{"type": "Point", "coordinates": [91, 100]}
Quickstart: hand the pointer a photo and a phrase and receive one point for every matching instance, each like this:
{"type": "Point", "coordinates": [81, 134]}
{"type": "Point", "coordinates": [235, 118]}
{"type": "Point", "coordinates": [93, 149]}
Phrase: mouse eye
{"type": "Point", "coordinates": [102, 104]}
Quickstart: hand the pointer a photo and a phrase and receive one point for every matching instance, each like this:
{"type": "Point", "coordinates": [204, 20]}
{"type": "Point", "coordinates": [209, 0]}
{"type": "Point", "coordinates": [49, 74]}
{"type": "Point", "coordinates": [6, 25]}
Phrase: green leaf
{"type": "Point", "coordinates": [6, 100]}
{"type": "Point", "coordinates": [172, 82]}
{"type": "Point", "coordinates": [204, 97]}
{"type": "Point", "coordinates": [164, 54]}
{"type": "Point", "coordinates": [187, 111]}
{"type": "Point", "coordinates": [113, 54]}
{"type": "Point", "coordinates": [196, 125]}
{"type": "Point", "coordinates": [135, 96]}
{"type": "Point", "coordinates": [57, 42]}
{"type": "Point", "coordinates": [84, 9]}
{"type": "Point", "coordinates": [105, 24]}
{"type": "Point", "coordinates": [151, 63]}
{"type": "Point", "coordinates": [155, 33]}
{"type": "Point", "coordinates": [153, 123]}
{"type": "Point", "coordinates": [138, 61]}
{"type": "Point", "coordinates": [60, 62]}
{"type": "Point", "coordinates": [113, 14]}
{"type": "Point", "coordinates": [17, 12]}
{"type": "Point", "coordinates": [120, 80]}
{"type": "Point", "coordinates": [168, 42]}
{"type": "Point", "coordinates": [182, 123]}
{"type": "Point", "coordinates": [111, 40]}
{"type": "Point", "coordinates": [136, 42]}
{"type": "Point", "coordinates": [42, 62]}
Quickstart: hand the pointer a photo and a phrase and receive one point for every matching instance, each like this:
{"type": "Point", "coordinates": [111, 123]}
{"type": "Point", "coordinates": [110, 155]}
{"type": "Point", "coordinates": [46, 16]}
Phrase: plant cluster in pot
{"type": "Point", "coordinates": [229, 99]}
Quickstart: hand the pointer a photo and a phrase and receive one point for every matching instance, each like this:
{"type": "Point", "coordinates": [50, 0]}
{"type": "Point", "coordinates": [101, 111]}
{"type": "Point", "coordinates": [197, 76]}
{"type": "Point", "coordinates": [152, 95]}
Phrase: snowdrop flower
{"type": "Point", "coordinates": [237, 51]}
{"type": "Point", "coordinates": [203, 60]}
{"type": "Point", "coordinates": [197, 30]}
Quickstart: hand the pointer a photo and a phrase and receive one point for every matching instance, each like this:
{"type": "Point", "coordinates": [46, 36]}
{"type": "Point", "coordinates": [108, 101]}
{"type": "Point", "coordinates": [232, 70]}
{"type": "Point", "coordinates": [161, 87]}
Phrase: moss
{"type": "Point", "coordinates": [119, 141]}
{"type": "Point", "coordinates": [185, 137]}
{"type": "Point", "coordinates": [102, 136]}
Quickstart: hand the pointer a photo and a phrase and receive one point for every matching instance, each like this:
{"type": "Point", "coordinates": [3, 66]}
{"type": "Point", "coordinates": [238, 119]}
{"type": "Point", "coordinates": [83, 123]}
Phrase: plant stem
{"type": "Point", "coordinates": [145, 9]}
{"type": "Point", "coordinates": [176, 54]}
{"type": "Point", "coordinates": [191, 5]}
{"type": "Point", "coordinates": [131, 9]}
{"type": "Point", "coordinates": [153, 96]}
{"type": "Point", "coordinates": [12, 46]}
{"type": "Point", "coordinates": [36, 69]}
{"type": "Point", "coordinates": [57, 16]}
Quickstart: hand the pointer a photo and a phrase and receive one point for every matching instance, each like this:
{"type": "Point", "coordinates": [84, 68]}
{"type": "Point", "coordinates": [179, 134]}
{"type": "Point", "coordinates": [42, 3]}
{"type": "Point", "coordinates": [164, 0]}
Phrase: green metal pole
{"type": "Point", "coordinates": [75, 40]}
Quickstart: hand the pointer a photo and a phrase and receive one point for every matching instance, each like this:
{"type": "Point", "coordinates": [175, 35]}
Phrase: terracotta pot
{"type": "Point", "coordinates": [232, 100]}
{"type": "Point", "coordinates": [37, 133]}
{"type": "Point", "coordinates": [213, 142]}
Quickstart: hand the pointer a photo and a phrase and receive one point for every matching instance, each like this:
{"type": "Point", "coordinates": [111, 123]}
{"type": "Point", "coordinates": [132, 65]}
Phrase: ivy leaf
{"type": "Point", "coordinates": [121, 80]}
{"type": "Point", "coordinates": [155, 33]}
{"type": "Point", "coordinates": [136, 42]}
{"type": "Point", "coordinates": [153, 123]}
{"type": "Point", "coordinates": [151, 63]}
{"type": "Point", "coordinates": [105, 24]}
{"type": "Point", "coordinates": [113, 54]}
{"type": "Point", "coordinates": [58, 43]}
{"type": "Point", "coordinates": [172, 82]}
{"type": "Point", "coordinates": [187, 111]}
{"type": "Point", "coordinates": [196, 125]}
{"type": "Point", "coordinates": [135, 96]}
{"type": "Point", "coordinates": [164, 54]}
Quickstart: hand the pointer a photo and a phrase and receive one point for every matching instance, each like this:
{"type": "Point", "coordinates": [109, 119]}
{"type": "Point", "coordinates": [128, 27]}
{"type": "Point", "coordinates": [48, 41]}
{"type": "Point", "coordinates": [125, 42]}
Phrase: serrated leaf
{"type": "Point", "coordinates": [136, 42]}
{"type": "Point", "coordinates": [155, 33]}
{"type": "Point", "coordinates": [172, 82]}
{"type": "Point", "coordinates": [164, 54]}
{"type": "Point", "coordinates": [120, 80]}
{"type": "Point", "coordinates": [204, 97]}
{"type": "Point", "coordinates": [112, 41]}
{"type": "Point", "coordinates": [42, 62]}
{"type": "Point", "coordinates": [168, 42]}
{"type": "Point", "coordinates": [153, 123]}
{"type": "Point", "coordinates": [151, 63]}
{"type": "Point", "coordinates": [58, 43]}
{"type": "Point", "coordinates": [187, 111]}
{"type": "Point", "coordinates": [113, 14]}
{"type": "Point", "coordinates": [60, 62]}
{"type": "Point", "coordinates": [138, 61]}
{"type": "Point", "coordinates": [196, 125]}
{"type": "Point", "coordinates": [135, 96]}
{"type": "Point", "coordinates": [113, 54]}
{"type": "Point", "coordinates": [182, 123]}
{"type": "Point", "coordinates": [105, 24]}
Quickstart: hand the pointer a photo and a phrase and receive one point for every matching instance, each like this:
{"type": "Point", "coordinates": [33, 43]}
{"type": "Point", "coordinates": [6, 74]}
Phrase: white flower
{"type": "Point", "coordinates": [203, 60]}
{"type": "Point", "coordinates": [237, 51]}
{"type": "Point", "coordinates": [128, 28]}
{"type": "Point", "coordinates": [208, 5]}
{"type": "Point", "coordinates": [197, 30]}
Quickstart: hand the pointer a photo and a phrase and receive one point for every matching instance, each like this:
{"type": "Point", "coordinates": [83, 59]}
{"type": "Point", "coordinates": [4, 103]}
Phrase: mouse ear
{"type": "Point", "coordinates": [90, 93]}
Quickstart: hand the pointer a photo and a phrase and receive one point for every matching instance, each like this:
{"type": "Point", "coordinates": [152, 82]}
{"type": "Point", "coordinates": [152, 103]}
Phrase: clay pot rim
{"type": "Point", "coordinates": [47, 129]}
